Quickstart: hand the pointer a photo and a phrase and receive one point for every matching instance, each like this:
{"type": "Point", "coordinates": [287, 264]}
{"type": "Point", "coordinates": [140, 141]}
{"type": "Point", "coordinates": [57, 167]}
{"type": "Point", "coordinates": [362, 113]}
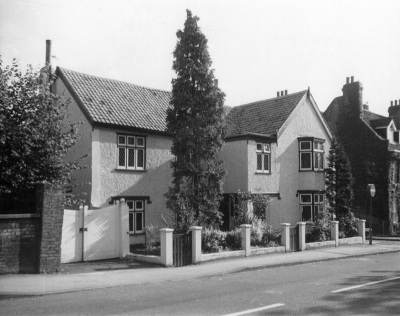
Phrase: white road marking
{"type": "Point", "coordinates": [366, 284]}
{"type": "Point", "coordinates": [255, 310]}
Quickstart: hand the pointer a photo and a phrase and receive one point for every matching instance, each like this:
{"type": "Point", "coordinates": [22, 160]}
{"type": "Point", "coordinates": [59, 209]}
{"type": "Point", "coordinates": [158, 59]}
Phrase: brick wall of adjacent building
{"type": "Point", "coordinates": [31, 243]}
{"type": "Point", "coordinates": [368, 154]}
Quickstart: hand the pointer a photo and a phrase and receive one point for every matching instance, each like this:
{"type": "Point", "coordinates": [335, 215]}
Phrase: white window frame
{"type": "Point", "coordinates": [319, 153]}
{"type": "Point", "coordinates": [125, 147]}
{"type": "Point", "coordinates": [315, 205]}
{"type": "Point", "coordinates": [134, 211]}
{"type": "Point", "coordinates": [315, 153]}
{"type": "Point", "coordinates": [308, 152]}
{"type": "Point", "coordinates": [263, 150]}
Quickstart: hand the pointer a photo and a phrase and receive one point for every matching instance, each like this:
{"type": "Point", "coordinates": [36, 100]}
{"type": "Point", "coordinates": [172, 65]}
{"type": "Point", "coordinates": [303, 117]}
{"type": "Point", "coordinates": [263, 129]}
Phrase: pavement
{"type": "Point", "coordinates": [122, 272]}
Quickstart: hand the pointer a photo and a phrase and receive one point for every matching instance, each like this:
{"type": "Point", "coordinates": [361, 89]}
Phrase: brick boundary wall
{"type": "Point", "coordinates": [31, 243]}
{"type": "Point", "coordinates": [19, 244]}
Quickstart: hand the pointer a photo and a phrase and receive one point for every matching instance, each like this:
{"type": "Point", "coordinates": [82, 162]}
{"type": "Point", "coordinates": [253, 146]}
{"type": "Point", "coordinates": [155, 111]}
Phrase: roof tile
{"type": "Point", "coordinates": [116, 102]}
{"type": "Point", "coordinates": [262, 117]}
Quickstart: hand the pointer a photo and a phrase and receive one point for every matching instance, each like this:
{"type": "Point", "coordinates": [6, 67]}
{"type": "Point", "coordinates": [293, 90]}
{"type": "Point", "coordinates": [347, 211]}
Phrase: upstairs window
{"type": "Point", "coordinates": [130, 152]}
{"type": "Point", "coordinates": [318, 155]}
{"type": "Point", "coordinates": [311, 154]}
{"type": "Point", "coordinates": [263, 152]}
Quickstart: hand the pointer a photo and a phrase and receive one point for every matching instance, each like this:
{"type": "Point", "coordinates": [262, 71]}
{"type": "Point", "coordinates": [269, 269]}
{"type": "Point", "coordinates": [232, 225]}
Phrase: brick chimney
{"type": "Point", "coordinates": [352, 97]}
{"type": "Point", "coordinates": [394, 111]}
{"type": "Point", "coordinates": [45, 72]}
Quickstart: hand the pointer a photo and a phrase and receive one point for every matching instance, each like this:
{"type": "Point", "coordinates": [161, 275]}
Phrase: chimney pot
{"type": "Point", "coordinates": [281, 93]}
{"type": "Point", "coordinates": [395, 102]}
{"type": "Point", "coordinates": [391, 103]}
{"type": "Point", "coordinates": [285, 92]}
{"type": "Point", "coordinates": [347, 80]}
{"type": "Point", "coordinates": [352, 79]}
{"type": "Point", "coordinates": [277, 94]}
{"type": "Point", "coordinates": [48, 52]}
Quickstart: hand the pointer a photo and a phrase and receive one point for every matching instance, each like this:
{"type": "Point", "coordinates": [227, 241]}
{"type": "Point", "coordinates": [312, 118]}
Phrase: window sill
{"type": "Point", "coordinates": [129, 170]}
{"type": "Point", "coordinates": [311, 170]}
{"type": "Point", "coordinates": [136, 234]}
{"type": "Point", "coordinates": [260, 172]}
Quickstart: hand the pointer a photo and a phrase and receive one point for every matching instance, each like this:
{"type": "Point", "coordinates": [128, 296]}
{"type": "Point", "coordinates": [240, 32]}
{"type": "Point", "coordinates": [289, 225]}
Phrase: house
{"type": "Point", "coordinates": [124, 133]}
{"type": "Point", "coordinates": [372, 144]}
{"type": "Point", "coordinates": [277, 147]}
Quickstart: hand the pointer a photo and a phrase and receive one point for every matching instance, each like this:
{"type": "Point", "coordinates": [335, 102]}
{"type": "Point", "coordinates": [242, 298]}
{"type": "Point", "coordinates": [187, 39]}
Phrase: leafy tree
{"type": "Point", "coordinates": [35, 136]}
{"type": "Point", "coordinates": [195, 119]}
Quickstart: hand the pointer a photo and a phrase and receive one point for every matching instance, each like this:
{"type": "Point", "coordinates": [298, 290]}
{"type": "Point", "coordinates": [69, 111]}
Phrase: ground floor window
{"type": "Point", "coordinates": [311, 204]}
{"type": "Point", "coordinates": [137, 212]}
{"type": "Point", "coordinates": [136, 216]}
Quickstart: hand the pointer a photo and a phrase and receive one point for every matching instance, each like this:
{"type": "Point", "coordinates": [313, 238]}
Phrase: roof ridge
{"type": "Point", "coordinates": [256, 102]}
{"type": "Point", "coordinates": [133, 84]}
{"type": "Point", "coordinates": [381, 116]}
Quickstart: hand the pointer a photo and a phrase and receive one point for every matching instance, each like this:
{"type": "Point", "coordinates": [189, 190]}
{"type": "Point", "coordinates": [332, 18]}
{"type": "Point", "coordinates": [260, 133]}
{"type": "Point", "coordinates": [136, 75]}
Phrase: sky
{"type": "Point", "coordinates": [257, 47]}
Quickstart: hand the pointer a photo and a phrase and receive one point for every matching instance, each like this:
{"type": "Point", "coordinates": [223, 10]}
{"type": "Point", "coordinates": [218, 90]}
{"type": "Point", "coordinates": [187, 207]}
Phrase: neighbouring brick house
{"type": "Point", "coordinates": [372, 144]}
{"type": "Point", "coordinates": [130, 152]}
{"type": "Point", "coordinates": [277, 147]}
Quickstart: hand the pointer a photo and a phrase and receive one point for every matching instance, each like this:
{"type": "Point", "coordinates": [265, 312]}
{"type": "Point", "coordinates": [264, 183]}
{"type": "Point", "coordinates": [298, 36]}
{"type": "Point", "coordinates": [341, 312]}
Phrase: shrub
{"type": "Point", "coordinates": [213, 240]}
{"type": "Point", "coordinates": [320, 230]}
{"type": "Point", "coordinates": [152, 236]}
{"type": "Point", "coordinates": [234, 239]}
{"type": "Point", "coordinates": [262, 234]}
{"type": "Point", "coordinates": [348, 225]}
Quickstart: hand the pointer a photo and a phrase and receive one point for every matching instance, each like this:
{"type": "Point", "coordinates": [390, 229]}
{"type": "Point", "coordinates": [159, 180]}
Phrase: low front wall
{"type": "Point", "coordinates": [351, 240]}
{"type": "Point", "coordinates": [320, 244]}
{"type": "Point", "coordinates": [264, 251]}
{"type": "Point", "coordinates": [222, 255]}
{"type": "Point", "coordinates": [144, 258]}
{"type": "Point", "coordinates": [20, 243]}
{"type": "Point", "coordinates": [331, 243]}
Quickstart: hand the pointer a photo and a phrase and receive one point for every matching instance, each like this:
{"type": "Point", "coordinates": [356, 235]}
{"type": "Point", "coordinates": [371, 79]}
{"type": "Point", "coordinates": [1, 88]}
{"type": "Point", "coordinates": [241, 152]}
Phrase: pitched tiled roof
{"type": "Point", "coordinates": [115, 102]}
{"type": "Point", "coordinates": [263, 117]}
{"type": "Point", "coordinates": [369, 116]}
{"type": "Point", "coordinates": [382, 122]}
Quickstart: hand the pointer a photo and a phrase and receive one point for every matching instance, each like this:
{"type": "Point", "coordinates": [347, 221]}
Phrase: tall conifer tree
{"type": "Point", "coordinates": [339, 180]}
{"type": "Point", "coordinates": [195, 119]}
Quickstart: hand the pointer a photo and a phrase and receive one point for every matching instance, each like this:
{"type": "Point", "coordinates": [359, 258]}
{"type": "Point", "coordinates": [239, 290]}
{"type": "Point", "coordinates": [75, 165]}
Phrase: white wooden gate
{"type": "Point", "coordinates": [95, 234]}
{"type": "Point", "coordinates": [71, 239]}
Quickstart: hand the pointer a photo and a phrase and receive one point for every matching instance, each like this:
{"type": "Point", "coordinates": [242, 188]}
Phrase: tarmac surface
{"type": "Point", "coordinates": [121, 272]}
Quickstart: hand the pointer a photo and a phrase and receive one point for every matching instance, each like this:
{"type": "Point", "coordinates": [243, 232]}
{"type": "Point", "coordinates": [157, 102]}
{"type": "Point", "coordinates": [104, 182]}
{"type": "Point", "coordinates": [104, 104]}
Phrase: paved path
{"type": "Point", "coordinates": [18, 285]}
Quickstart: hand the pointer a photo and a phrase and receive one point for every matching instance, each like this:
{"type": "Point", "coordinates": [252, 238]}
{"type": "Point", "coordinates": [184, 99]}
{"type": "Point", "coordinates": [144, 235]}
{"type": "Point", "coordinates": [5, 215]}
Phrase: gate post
{"type": "Point", "coordinates": [196, 243]}
{"type": "Point", "coordinates": [124, 229]}
{"type": "Point", "coordinates": [245, 234]}
{"type": "Point", "coordinates": [302, 236]}
{"type": "Point", "coordinates": [285, 237]}
{"type": "Point", "coordinates": [361, 229]}
{"type": "Point", "coordinates": [166, 247]}
{"type": "Point", "coordinates": [335, 232]}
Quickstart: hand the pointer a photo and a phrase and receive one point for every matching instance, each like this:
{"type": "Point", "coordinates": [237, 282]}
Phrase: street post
{"type": "Point", "coordinates": [371, 190]}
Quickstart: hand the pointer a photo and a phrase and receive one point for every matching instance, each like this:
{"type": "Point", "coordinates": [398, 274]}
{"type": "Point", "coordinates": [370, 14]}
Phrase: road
{"type": "Point", "coordinates": [310, 289]}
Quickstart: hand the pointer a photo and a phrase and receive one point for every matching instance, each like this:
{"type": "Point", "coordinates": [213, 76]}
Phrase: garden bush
{"type": "Point", "coordinates": [213, 240]}
{"type": "Point", "coordinates": [264, 235]}
{"type": "Point", "coordinates": [234, 239]}
{"type": "Point", "coordinates": [319, 231]}
{"type": "Point", "coordinates": [348, 226]}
